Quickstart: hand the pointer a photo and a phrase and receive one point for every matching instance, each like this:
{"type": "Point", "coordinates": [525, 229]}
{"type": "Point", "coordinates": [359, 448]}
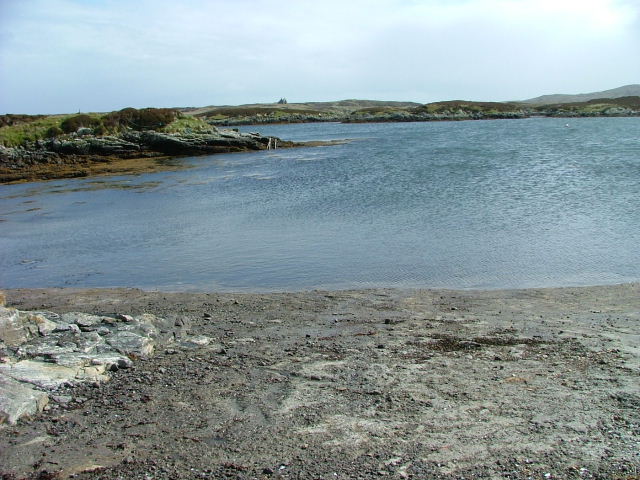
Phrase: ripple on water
{"type": "Point", "coordinates": [491, 204]}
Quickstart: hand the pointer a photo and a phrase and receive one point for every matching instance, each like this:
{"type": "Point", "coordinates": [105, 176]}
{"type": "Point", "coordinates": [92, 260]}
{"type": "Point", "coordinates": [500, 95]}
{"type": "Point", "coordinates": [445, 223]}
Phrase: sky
{"type": "Point", "coordinates": [65, 56]}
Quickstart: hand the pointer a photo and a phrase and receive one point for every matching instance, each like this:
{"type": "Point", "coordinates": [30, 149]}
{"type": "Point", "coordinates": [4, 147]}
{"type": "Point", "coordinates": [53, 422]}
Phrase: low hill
{"type": "Point", "coordinates": [341, 106]}
{"type": "Point", "coordinates": [625, 91]}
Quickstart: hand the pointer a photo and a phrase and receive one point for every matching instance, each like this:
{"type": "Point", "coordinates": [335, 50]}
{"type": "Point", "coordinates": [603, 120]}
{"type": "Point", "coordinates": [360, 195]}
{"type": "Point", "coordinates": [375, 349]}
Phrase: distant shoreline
{"type": "Point", "coordinates": [39, 148]}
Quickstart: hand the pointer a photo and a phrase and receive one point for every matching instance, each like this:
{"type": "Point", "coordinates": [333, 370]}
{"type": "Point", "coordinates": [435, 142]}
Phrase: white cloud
{"type": "Point", "coordinates": [101, 55]}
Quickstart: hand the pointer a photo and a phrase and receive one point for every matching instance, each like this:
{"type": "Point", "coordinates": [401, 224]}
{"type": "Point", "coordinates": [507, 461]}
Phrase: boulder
{"type": "Point", "coordinates": [45, 350]}
{"type": "Point", "coordinates": [38, 322]}
{"type": "Point", "coordinates": [13, 331]}
{"type": "Point", "coordinates": [18, 400]}
{"type": "Point", "coordinates": [46, 347]}
{"type": "Point", "coordinates": [131, 344]}
{"type": "Point", "coordinates": [112, 361]}
{"type": "Point", "coordinates": [83, 320]}
{"type": "Point", "coordinates": [50, 376]}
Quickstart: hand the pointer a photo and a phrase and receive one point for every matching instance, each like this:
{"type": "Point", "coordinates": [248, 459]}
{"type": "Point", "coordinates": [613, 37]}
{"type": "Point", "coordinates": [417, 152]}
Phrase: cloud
{"type": "Point", "coordinates": [59, 55]}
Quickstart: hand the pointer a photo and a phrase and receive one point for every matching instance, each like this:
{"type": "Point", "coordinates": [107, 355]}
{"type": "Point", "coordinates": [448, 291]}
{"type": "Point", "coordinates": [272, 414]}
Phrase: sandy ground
{"type": "Point", "coordinates": [354, 384]}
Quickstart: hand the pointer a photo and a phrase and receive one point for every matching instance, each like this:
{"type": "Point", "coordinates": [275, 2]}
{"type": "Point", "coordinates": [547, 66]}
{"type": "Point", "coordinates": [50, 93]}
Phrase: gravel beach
{"type": "Point", "coordinates": [437, 384]}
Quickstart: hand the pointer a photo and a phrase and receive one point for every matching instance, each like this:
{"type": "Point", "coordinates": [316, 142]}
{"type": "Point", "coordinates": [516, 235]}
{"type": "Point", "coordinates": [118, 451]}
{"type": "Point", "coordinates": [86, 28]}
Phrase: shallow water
{"type": "Point", "coordinates": [475, 204]}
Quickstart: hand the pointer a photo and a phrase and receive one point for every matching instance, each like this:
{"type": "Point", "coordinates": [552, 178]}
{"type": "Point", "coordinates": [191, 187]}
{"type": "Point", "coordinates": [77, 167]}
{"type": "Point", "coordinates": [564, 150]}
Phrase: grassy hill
{"type": "Point", "coordinates": [625, 91]}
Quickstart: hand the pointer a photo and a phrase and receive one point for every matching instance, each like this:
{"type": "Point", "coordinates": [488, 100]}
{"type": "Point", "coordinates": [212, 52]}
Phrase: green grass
{"type": "Point", "coordinates": [468, 106]}
{"type": "Point", "coordinates": [235, 112]}
{"type": "Point", "coordinates": [44, 127]}
{"type": "Point", "coordinates": [187, 124]}
{"type": "Point", "coordinates": [14, 135]}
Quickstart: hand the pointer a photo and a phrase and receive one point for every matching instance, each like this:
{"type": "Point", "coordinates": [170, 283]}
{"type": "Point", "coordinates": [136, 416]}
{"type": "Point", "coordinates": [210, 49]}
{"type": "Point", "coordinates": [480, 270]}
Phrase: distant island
{"type": "Point", "coordinates": [40, 147]}
{"type": "Point", "coordinates": [622, 101]}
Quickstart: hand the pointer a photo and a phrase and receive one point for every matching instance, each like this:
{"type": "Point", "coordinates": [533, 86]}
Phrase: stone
{"type": "Point", "coordinates": [62, 399]}
{"type": "Point", "coordinates": [88, 341]}
{"type": "Point", "coordinates": [65, 327]}
{"type": "Point", "coordinates": [102, 331]}
{"type": "Point", "coordinates": [12, 329]}
{"type": "Point", "coordinates": [112, 361]}
{"type": "Point", "coordinates": [45, 326]}
{"type": "Point", "coordinates": [197, 341]}
{"type": "Point", "coordinates": [131, 344]}
{"type": "Point", "coordinates": [74, 328]}
{"type": "Point", "coordinates": [83, 320]}
{"type": "Point", "coordinates": [45, 347]}
{"type": "Point", "coordinates": [18, 400]}
{"type": "Point", "coordinates": [50, 376]}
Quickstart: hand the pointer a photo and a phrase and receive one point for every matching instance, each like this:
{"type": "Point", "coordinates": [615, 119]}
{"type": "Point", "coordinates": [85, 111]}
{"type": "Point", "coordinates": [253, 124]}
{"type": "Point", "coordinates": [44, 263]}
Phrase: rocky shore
{"type": "Point", "coordinates": [520, 384]}
{"type": "Point", "coordinates": [84, 153]}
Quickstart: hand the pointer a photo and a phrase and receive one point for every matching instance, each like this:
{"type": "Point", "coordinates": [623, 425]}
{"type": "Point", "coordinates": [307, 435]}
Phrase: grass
{"type": "Point", "coordinates": [222, 113]}
{"type": "Point", "coordinates": [18, 131]}
{"type": "Point", "coordinates": [15, 135]}
{"type": "Point", "coordinates": [595, 106]}
{"type": "Point", "coordinates": [468, 106]}
{"type": "Point", "coordinates": [187, 124]}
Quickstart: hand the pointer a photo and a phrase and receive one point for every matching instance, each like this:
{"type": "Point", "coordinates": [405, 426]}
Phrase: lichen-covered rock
{"type": "Point", "coordinates": [45, 350]}
{"type": "Point", "coordinates": [43, 324]}
{"type": "Point", "coordinates": [18, 400]}
{"type": "Point", "coordinates": [50, 376]}
{"type": "Point", "coordinates": [13, 331]}
{"type": "Point", "coordinates": [112, 361]}
{"type": "Point", "coordinates": [83, 320]}
{"type": "Point", "coordinates": [132, 344]}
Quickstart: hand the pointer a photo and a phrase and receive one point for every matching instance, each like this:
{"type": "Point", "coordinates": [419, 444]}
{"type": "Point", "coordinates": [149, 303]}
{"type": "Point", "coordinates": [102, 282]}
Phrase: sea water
{"type": "Point", "coordinates": [471, 204]}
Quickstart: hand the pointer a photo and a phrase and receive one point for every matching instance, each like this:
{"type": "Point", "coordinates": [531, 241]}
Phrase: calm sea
{"type": "Point", "coordinates": [475, 204]}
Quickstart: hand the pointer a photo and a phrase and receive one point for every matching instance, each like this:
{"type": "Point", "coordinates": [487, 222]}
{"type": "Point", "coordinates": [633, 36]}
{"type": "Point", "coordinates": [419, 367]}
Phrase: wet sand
{"type": "Point", "coordinates": [539, 383]}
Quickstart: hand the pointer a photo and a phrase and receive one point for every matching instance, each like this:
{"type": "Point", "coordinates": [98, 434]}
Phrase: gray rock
{"type": "Point", "coordinates": [12, 328]}
{"type": "Point", "coordinates": [88, 342]}
{"type": "Point", "coordinates": [45, 326]}
{"type": "Point", "coordinates": [44, 347]}
{"type": "Point", "coordinates": [110, 360]}
{"type": "Point", "coordinates": [103, 331]}
{"type": "Point", "coordinates": [18, 400]}
{"type": "Point", "coordinates": [65, 327]}
{"type": "Point", "coordinates": [62, 399]}
{"type": "Point", "coordinates": [74, 328]}
{"type": "Point", "coordinates": [131, 344]}
{"type": "Point", "coordinates": [197, 341]}
{"type": "Point", "coordinates": [50, 376]}
{"type": "Point", "coordinates": [36, 323]}
{"type": "Point", "coordinates": [47, 350]}
{"type": "Point", "coordinates": [83, 320]}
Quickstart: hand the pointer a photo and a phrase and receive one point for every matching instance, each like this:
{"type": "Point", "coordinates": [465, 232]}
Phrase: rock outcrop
{"type": "Point", "coordinates": [82, 148]}
{"type": "Point", "coordinates": [41, 352]}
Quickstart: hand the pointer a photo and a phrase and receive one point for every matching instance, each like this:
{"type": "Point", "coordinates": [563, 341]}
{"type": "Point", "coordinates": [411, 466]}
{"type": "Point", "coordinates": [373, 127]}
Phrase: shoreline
{"type": "Point", "coordinates": [106, 167]}
{"type": "Point", "coordinates": [406, 383]}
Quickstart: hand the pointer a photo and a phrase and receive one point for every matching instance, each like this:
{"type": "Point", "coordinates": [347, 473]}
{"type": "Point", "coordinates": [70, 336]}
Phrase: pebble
{"type": "Point", "coordinates": [62, 399]}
